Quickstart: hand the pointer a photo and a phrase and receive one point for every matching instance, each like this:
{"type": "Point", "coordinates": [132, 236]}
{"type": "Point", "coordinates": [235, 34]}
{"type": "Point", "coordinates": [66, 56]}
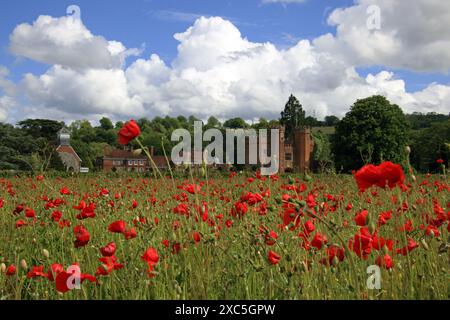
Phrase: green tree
{"type": "Point", "coordinates": [235, 123]}
{"type": "Point", "coordinates": [374, 130]}
{"type": "Point", "coordinates": [106, 124]}
{"type": "Point", "coordinates": [430, 144]}
{"type": "Point", "coordinates": [331, 121]}
{"type": "Point", "coordinates": [293, 115]}
{"type": "Point", "coordinates": [322, 151]}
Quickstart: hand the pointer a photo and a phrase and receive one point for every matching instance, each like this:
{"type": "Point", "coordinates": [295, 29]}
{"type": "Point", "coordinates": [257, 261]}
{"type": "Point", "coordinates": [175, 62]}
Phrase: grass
{"type": "Point", "coordinates": [228, 262]}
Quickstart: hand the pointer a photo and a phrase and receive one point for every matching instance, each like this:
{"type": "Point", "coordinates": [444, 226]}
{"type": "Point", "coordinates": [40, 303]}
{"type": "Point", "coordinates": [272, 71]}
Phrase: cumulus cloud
{"type": "Point", "coordinates": [217, 72]}
{"type": "Point", "coordinates": [414, 34]}
{"type": "Point", "coordinates": [67, 42]}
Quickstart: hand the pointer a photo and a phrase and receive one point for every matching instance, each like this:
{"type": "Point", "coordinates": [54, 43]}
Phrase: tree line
{"type": "Point", "coordinates": [374, 130]}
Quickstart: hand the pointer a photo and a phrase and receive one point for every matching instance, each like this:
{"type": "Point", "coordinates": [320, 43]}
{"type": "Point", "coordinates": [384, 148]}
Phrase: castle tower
{"type": "Point", "coordinates": [302, 149]}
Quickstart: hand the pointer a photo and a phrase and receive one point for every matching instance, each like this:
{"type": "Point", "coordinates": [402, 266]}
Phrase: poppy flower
{"type": "Point", "coordinates": [270, 238]}
{"type": "Point", "coordinates": [239, 209]}
{"type": "Point", "coordinates": [108, 265]}
{"type": "Point", "coordinates": [384, 217]}
{"type": "Point", "coordinates": [54, 270]}
{"type": "Point", "coordinates": [108, 250]}
{"type": "Point", "coordinates": [37, 272]}
{"type": "Point", "coordinates": [335, 254]}
{"type": "Point", "coordinates": [128, 132]}
{"type": "Point", "coordinates": [87, 212]}
{"type": "Point", "coordinates": [151, 257]}
{"type": "Point", "coordinates": [273, 257]}
{"type": "Point", "coordinates": [319, 240]}
{"type": "Point", "coordinates": [82, 236]}
{"type": "Point", "coordinates": [408, 248]}
{"type": "Point", "coordinates": [11, 270]}
{"type": "Point", "coordinates": [385, 262]}
{"type": "Point", "coordinates": [387, 173]}
{"type": "Point", "coordinates": [2, 202]}
{"type": "Point", "coordinates": [62, 280]}
{"type": "Point", "coordinates": [130, 234]}
{"type": "Point", "coordinates": [196, 236]}
{"type": "Point", "coordinates": [361, 218]}
{"type": "Point", "coordinates": [117, 226]}
{"type": "Point", "coordinates": [362, 243]}
{"type": "Point", "coordinates": [439, 161]}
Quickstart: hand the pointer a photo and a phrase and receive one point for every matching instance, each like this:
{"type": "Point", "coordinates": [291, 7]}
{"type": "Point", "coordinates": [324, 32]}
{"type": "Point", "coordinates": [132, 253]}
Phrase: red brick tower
{"type": "Point", "coordinates": [302, 149]}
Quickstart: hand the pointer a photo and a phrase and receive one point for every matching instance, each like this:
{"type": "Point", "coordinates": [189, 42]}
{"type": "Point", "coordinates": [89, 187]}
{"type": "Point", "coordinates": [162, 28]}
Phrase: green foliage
{"type": "Point", "coordinates": [374, 130]}
{"type": "Point", "coordinates": [236, 123]}
{"type": "Point", "coordinates": [322, 151]}
{"type": "Point", "coordinates": [293, 115]}
{"type": "Point", "coordinates": [430, 144]}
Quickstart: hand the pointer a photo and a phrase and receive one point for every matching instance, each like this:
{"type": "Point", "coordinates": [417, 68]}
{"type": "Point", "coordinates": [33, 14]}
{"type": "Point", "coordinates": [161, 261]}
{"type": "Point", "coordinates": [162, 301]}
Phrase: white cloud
{"type": "Point", "coordinates": [217, 72]}
{"type": "Point", "coordinates": [66, 41]}
{"type": "Point", "coordinates": [414, 35]}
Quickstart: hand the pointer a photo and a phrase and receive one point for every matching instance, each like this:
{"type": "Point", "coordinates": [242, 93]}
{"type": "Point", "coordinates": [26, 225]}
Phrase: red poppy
{"type": "Point", "coordinates": [108, 265]}
{"type": "Point", "coordinates": [384, 217]}
{"type": "Point", "coordinates": [2, 202]}
{"type": "Point", "coordinates": [151, 257]}
{"type": "Point", "coordinates": [408, 248]}
{"type": "Point", "coordinates": [239, 209]}
{"type": "Point", "coordinates": [82, 236]}
{"type": "Point", "coordinates": [62, 280]}
{"type": "Point", "coordinates": [362, 243]}
{"type": "Point", "coordinates": [385, 261]}
{"type": "Point", "coordinates": [128, 132]}
{"type": "Point", "coordinates": [117, 226]}
{"type": "Point", "coordinates": [319, 240]}
{"type": "Point", "coordinates": [108, 250]}
{"type": "Point", "coordinates": [387, 173]}
{"type": "Point", "coordinates": [130, 234]}
{"type": "Point", "coordinates": [37, 272]}
{"type": "Point", "coordinates": [335, 254]}
{"type": "Point", "coordinates": [54, 270]}
{"type": "Point", "coordinates": [87, 212]}
{"type": "Point", "coordinates": [361, 218]}
{"type": "Point", "coordinates": [11, 270]}
{"type": "Point", "coordinates": [440, 161]}
{"type": "Point", "coordinates": [270, 238]}
{"type": "Point", "coordinates": [196, 236]}
{"type": "Point", "coordinates": [273, 257]}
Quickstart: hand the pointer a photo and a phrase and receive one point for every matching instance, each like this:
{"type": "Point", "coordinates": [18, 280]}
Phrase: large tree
{"type": "Point", "coordinates": [293, 115]}
{"type": "Point", "coordinates": [374, 130]}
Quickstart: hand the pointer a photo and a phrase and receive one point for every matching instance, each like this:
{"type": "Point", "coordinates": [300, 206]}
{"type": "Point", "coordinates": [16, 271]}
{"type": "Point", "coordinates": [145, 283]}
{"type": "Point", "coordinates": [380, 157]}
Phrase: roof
{"type": "Point", "coordinates": [123, 154]}
{"type": "Point", "coordinates": [67, 149]}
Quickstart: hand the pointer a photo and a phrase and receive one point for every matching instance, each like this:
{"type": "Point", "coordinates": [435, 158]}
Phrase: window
{"type": "Point", "coordinates": [130, 162]}
{"type": "Point", "coordinates": [288, 156]}
{"type": "Point", "coordinates": [135, 162]}
{"type": "Point", "coordinates": [141, 162]}
{"type": "Point", "coordinates": [117, 162]}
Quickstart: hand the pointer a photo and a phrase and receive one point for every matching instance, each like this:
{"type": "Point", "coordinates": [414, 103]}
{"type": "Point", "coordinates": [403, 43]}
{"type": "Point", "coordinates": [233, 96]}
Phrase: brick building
{"type": "Point", "coordinates": [126, 160]}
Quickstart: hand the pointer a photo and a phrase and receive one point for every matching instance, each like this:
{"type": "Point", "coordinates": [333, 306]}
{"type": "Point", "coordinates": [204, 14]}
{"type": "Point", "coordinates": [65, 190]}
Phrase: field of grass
{"type": "Point", "coordinates": [236, 237]}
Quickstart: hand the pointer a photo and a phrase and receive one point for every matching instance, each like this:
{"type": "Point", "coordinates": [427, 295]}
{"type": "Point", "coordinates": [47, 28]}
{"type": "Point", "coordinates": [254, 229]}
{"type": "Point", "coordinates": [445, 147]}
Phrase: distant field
{"type": "Point", "coordinates": [236, 237]}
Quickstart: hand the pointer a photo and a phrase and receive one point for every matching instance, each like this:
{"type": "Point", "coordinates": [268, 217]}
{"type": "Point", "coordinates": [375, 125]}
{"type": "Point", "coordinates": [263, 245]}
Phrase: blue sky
{"type": "Point", "coordinates": [151, 24]}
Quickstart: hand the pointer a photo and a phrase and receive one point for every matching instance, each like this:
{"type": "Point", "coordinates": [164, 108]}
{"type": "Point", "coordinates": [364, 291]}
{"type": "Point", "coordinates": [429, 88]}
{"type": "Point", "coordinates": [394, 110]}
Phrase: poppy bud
{"type": "Point", "coordinates": [425, 244]}
{"type": "Point", "coordinates": [413, 177]}
{"type": "Point", "coordinates": [46, 253]}
{"type": "Point", "coordinates": [137, 152]}
{"type": "Point", "coordinates": [408, 149]}
{"type": "Point", "coordinates": [3, 268]}
{"type": "Point", "coordinates": [372, 226]}
{"type": "Point", "coordinates": [335, 261]}
{"type": "Point", "coordinates": [23, 264]}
